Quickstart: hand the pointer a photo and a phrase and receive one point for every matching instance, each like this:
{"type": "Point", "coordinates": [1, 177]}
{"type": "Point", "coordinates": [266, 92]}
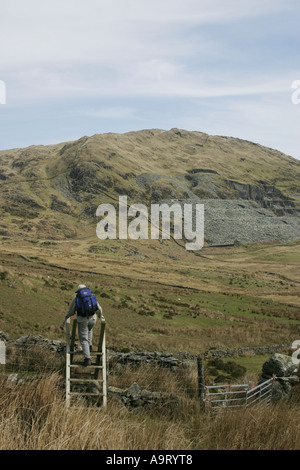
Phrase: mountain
{"type": "Point", "coordinates": [156, 295]}
{"type": "Point", "coordinates": [250, 192]}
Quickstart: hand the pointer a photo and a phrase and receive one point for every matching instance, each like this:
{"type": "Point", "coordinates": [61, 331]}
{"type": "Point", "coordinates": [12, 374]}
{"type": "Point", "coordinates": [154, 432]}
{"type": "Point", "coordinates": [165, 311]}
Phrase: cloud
{"type": "Point", "coordinates": [110, 60]}
{"type": "Point", "coordinates": [145, 78]}
{"type": "Point", "coordinates": [270, 120]}
{"type": "Point", "coordinates": [112, 112]}
{"type": "Point", "coordinates": [81, 48]}
{"type": "Point", "coordinates": [77, 30]}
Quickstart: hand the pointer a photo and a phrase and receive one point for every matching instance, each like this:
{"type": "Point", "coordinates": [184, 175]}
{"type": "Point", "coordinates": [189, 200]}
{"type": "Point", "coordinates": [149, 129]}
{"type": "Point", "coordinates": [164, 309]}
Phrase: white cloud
{"type": "Point", "coordinates": [270, 120]}
{"type": "Point", "coordinates": [112, 112]}
{"type": "Point", "coordinates": [123, 48]}
{"type": "Point", "coordinates": [109, 30]}
{"type": "Point", "coordinates": [146, 78]}
{"type": "Point", "coordinates": [133, 50]}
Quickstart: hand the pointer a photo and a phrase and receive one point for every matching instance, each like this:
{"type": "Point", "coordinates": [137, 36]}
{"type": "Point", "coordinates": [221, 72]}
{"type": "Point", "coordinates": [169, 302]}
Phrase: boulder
{"type": "Point", "coordinates": [282, 391]}
{"type": "Point", "coordinates": [279, 365]}
{"type": "Point", "coordinates": [282, 367]}
{"type": "Point", "coordinates": [5, 337]}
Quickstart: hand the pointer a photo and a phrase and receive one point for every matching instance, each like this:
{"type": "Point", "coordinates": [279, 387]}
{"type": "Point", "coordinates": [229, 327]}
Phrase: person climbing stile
{"type": "Point", "coordinates": [87, 308]}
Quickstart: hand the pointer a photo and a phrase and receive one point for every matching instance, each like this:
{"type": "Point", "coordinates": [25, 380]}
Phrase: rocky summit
{"type": "Point", "coordinates": [250, 193]}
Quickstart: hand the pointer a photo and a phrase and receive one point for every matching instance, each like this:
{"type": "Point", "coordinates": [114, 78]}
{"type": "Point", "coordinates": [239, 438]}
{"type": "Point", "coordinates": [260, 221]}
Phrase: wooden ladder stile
{"type": "Point", "coordinates": [76, 373]}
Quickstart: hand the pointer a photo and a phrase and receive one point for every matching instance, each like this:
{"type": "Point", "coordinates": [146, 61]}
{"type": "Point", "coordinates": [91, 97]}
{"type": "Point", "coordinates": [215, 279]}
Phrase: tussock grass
{"type": "Point", "coordinates": [33, 416]}
{"type": "Point", "coordinates": [273, 428]}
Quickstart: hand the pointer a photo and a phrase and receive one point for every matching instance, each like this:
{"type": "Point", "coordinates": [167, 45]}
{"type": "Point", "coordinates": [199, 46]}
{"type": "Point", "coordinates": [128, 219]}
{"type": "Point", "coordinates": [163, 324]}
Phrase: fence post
{"type": "Point", "coordinates": [200, 367]}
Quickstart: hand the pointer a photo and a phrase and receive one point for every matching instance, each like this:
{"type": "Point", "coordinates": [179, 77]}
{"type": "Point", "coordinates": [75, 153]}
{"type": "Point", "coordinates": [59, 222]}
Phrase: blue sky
{"type": "Point", "coordinates": [74, 68]}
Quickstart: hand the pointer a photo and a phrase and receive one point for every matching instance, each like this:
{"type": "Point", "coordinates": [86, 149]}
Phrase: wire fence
{"type": "Point", "coordinates": [32, 359]}
{"type": "Point", "coordinates": [154, 375]}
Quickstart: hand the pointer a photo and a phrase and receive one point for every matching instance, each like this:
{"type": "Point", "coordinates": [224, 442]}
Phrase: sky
{"type": "Point", "coordinates": [73, 68]}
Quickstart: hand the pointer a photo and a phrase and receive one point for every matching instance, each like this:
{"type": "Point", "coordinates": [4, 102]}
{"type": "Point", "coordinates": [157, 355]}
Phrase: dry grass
{"type": "Point", "coordinates": [153, 377]}
{"type": "Point", "coordinates": [205, 311]}
{"type": "Point", "coordinates": [34, 417]}
{"type": "Point", "coordinates": [272, 428]}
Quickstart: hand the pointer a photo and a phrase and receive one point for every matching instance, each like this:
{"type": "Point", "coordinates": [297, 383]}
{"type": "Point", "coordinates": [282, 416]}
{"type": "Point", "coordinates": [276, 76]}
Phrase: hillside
{"type": "Point", "coordinates": [156, 295]}
{"type": "Point", "coordinates": [250, 193]}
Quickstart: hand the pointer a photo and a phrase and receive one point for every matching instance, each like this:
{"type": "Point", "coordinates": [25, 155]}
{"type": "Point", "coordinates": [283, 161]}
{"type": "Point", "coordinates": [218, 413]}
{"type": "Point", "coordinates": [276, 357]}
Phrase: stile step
{"type": "Point", "coordinates": [96, 353]}
{"type": "Point", "coordinates": [84, 380]}
{"type": "Point", "coordinates": [86, 367]}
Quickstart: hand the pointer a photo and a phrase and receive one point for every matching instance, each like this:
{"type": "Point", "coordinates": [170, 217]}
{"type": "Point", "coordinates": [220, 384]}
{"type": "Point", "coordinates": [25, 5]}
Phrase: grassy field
{"type": "Point", "coordinates": [34, 417]}
{"type": "Point", "coordinates": [155, 297]}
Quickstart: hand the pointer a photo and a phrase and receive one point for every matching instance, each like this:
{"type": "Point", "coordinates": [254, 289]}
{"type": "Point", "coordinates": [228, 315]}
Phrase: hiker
{"type": "Point", "coordinates": [87, 308]}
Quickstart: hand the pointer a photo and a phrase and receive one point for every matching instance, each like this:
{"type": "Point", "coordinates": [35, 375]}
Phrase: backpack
{"type": "Point", "coordinates": [86, 302]}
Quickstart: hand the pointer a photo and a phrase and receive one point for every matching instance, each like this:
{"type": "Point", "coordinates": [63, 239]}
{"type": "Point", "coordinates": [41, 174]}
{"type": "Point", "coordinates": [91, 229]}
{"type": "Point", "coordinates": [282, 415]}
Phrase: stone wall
{"type": "Point", "coordinates": [163, 358]}
{"type": "Point", "coordinates": [135, 398]}
{"type": "Point", "coordinates": [278, 365]}
{"type": "Point", "coordinates": [237, 352]}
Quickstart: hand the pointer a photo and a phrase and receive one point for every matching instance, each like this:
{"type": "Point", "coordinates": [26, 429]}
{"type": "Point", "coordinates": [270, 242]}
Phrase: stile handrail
{"type": "Point", "coordinates": [70, 340]}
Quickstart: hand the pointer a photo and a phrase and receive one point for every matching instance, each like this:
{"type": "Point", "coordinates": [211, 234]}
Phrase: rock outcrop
{"type": "Point", "coordinates": [250, 193]}
{"type": "Point", "coordinates": [282, 367]}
